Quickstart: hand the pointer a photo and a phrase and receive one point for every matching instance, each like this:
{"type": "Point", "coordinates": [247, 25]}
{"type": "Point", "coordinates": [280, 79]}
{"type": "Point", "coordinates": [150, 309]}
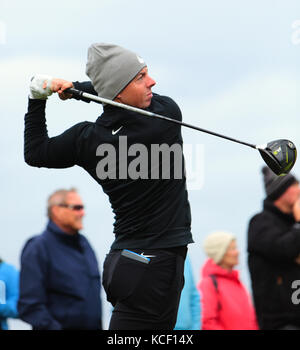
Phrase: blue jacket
{"type": "Point", "coordinates": [9, 293]}
{"type": "Point", "coordinates": [188, 317]}
{"type": "Point", "coordinates": [59, 282]}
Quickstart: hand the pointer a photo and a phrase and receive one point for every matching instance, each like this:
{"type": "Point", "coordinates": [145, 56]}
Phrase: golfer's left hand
{"type": "Point", "coordinates": [40, 87]}
{"type": "Point", "coordinates": [59, 86]}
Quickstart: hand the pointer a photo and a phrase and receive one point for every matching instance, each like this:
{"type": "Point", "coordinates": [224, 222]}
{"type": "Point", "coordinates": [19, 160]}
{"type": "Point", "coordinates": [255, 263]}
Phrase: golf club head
{"type": "Point", "coordinates": [279, 155]}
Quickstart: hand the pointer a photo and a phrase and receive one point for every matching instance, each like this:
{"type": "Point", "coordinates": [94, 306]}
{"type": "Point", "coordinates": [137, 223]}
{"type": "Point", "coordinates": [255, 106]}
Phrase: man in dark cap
{"type": "Point", "coordinates": [274, 248]}
{"type": "Point", "coordinates": [143, 272]}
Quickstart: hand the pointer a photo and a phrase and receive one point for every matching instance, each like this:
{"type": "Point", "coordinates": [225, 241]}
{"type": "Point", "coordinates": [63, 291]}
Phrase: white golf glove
{"type": "Point", "coordinates": [36, 87]}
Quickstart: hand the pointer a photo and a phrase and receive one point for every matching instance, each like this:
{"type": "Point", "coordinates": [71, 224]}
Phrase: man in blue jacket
{"type": "Point", "coordinates": [9, 293]}
{"type": "Point", "coordinates": [59, 279]}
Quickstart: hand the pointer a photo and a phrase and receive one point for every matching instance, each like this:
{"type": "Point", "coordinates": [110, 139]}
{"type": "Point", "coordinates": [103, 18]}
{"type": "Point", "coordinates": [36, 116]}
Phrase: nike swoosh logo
{"type": "Point", "coordinates": [114, 132]}
{"type": "Point", "coordinates": [140, 59]}
{"type": "Point", "coordinates": [148, 256]}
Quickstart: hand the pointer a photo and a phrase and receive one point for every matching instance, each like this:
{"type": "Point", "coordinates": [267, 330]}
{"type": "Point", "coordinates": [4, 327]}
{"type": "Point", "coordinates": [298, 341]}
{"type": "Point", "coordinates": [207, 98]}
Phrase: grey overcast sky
{"type": "Point", "coordinates": [232, 66]}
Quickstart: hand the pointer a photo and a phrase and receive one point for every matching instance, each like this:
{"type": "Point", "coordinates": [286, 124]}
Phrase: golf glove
{"type": "Point", "coordinates": [36, 87]}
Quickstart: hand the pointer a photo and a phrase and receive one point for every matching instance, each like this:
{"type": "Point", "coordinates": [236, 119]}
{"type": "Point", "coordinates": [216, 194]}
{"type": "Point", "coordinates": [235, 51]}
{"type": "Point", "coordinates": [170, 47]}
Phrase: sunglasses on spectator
{"type": "Point", "coordinates": [76, 207]}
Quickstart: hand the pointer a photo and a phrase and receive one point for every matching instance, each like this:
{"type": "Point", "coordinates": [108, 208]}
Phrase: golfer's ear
{"type": "Point", "coordinates": [118, 98]}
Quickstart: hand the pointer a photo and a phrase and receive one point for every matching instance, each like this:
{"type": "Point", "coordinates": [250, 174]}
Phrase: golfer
{"type": "Point", "coordinates": [143, 272]}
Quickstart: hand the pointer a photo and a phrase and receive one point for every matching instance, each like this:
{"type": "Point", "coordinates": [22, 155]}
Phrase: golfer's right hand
{"type": "Point", "coordinates": [59, 86]}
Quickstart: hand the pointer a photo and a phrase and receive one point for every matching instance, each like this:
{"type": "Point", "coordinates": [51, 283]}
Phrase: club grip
{"type": "Point", "coordinates": [74, 92]}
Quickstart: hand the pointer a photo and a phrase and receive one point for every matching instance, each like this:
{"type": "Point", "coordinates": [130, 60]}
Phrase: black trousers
{"type": "Point", "coordinates": [144, 296]}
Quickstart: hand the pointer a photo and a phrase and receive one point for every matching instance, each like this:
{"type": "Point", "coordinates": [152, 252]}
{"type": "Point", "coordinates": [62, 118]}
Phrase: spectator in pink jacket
{"type": "Point", "coordinates": [226, 305]}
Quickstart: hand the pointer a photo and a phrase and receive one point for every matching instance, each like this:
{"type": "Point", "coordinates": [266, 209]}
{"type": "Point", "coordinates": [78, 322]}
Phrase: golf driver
{"type": "Point", "coordinates": [279, 155]}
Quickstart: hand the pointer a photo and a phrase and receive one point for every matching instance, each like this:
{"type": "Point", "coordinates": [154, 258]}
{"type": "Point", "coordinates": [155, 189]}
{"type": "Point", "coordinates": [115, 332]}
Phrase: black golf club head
{"type": "Point", "coordinates": [279, 155]}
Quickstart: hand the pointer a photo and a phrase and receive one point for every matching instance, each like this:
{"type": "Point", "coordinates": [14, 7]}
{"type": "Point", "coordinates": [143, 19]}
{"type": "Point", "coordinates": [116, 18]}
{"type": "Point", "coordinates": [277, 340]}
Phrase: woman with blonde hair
{"type": "Point", "coordinates": [226, 305]}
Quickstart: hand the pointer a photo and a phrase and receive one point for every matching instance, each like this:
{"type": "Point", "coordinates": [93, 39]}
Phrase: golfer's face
{"type": "Point", "coordinates": [138, 92]}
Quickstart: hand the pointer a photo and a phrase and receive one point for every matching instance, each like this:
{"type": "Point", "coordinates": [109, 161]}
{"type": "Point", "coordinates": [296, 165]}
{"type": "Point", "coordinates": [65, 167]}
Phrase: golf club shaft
{"type": "Point", "coordinates": [81, 94]}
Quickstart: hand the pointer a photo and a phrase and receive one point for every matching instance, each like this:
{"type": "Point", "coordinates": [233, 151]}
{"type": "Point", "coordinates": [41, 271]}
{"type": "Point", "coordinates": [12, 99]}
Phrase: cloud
{"type": "Point", "coordinates": [2, 33]}
{"type": "Point", "coordinates": [17, 71]}
{"type": "Point", "coordinates": [258, 107]}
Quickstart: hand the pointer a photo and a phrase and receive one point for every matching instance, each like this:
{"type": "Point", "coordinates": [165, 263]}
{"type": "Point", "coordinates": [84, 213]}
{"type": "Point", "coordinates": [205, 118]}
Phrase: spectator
{"type": "Point", "coordinates": [9, 293]}
{"type": "Point", "coordinates": [60, 280]}
{"type": "Point", "coordinates": [274, 247]}
{"type": "Point", "coordinates": [226, 305]}
{"type": "Point", "coordinates": [188, 317]}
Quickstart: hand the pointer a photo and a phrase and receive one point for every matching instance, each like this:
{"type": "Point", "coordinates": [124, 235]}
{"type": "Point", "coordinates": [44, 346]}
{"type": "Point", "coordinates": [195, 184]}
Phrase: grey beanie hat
{"type": "Point", "coordinates": [275, 185]}
{"type": "Point", "coordinates": [216, 244]}
{"type": "Point", "coordinates": [111, 68]}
